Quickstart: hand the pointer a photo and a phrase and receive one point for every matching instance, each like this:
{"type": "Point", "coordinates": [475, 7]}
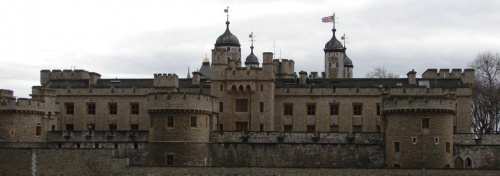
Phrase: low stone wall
{"type": "Point", "coordinates": [97, 136]}
{"type": "Point", "coordinates": [473, 139]}
{"type": "Point", "coordinates": [296, 137]}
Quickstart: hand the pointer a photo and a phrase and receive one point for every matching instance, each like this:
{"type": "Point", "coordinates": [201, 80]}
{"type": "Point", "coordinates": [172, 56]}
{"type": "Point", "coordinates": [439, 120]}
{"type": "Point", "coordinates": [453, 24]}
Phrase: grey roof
{"type": "Point", "coordinates": [227, 39]}
{"type": "Point", "coordinates": [205, 70]}
{"type": "Point", "coordinates": [334, 44]}
{"type": "Point", "coordinates": [347, 61]}
{"type": "Point", "coordinates": [251, 59]}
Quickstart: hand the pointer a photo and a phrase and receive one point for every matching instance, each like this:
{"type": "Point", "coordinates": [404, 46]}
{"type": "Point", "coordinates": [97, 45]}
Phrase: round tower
{"type": "Point", "coordinates": [419, 131]}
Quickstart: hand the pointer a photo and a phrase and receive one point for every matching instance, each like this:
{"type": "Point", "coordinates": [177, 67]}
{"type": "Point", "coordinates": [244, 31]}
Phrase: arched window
{"type": "Point", "coordinates": [468, 163]}
{"type": "Point", "coordinates": [459, 163]}
{"type": "Point", "coordinates": [249, 89]}
{"type": "Point", "coordinates": [233, 88]}
{"type": "Point", "coordinates": [241, 88]}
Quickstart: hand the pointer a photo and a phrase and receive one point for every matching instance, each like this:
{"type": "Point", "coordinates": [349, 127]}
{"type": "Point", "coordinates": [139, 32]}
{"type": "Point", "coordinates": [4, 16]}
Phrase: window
{"type": "Point", "coordinates": [378, 128]}
{"type": "Point", "coordinates": [221, 87]}
{"type": "Point", "coordinates": [12, 132]}
{"type": "Point", "coordinates": [91, 108]}
{"type": "Point", "coordinates": [112, 127]}
{"type": "Point", "coordinates": [425, 122]}
{"type": "Point", "coordinates": [69, 127]}
{"type": "Point", "coordinates": [241, 126]}
{"type": "Point", "coordinates": [378, 109]}
{"type": "Point", "coordinates": [170, 121]}
{"type": "Point", "coordinates": [134, 108]}
{"type": "Point", "coordinates": [96, 145]}
{"type": "Point", "coordinates": [241, 105]}
{"type": "Point", "coordinates": [311, 109]}
{"type": "Point", "coordinates": [113, 108]}
{"type": "Point", "coordinates": [288, 128]}
{"type": "Point", "coordinates": [116, 145]}
{"type": "Point", "coordinates": [448, 147]}
{"type": "Point", "coordinates": [221, 107]}
{"type": "Point", "coordinates": [221, 127]}
{"type": "Point", "coordinates": [357, 128]}
{"type": "Point", "coordinates": [396, 147]}
{"type": "Point", "coordinates": [334, 128]}
{"type": "Point", "coordinates": [170, 160]}
{"type": "Point", "coordinates": [357, 109]}
{"type": "Point", "coordinates": [70, 108]}
{"type": "Point", "coordinates": [261, 88]}
{"type": "Point", "coordinates": [38, 131]}
{"type": "Point", "coordinates": [193, 122]}
{"type": "Point", "coordinates": [261, 127]}
{"type": "Point", "coordinates": [288, 109]}
{"type": "Point", "coordinates": [414, 140]}
{"type": "Point", "coordinates": [261, 106]}
{"type": "Point", "coordinates": [136, 145]}
{"type": "Point", "coordinates": [311, 128]}
{"type": "Point", "coordinates": [468, 163]}
{"type": "Point", "coordinates": [134, 126]}
{"type": "Point", "coordinates": [436, 140]}
{"type": "Point", "coordinates": [334, 109]}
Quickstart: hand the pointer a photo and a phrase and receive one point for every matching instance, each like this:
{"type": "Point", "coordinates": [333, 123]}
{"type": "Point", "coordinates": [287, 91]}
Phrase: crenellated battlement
{"type": "Point", "coordinates": [22, 105]}
{"type": "Point", "coordinates": [166, 80]}
{"type": "Point", "coordinates": [419, 103]}
{"type": "Point", "coordinates": [47, 75]}
{"type": "Point", "coordinates": [284, 69]}
{"type": "Point", "coordinates": [467, 75]}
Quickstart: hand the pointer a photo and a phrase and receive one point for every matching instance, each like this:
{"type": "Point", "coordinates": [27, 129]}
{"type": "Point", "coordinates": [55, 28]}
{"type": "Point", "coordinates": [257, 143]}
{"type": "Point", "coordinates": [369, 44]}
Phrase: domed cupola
{"type": "Point", "coordinates": [227, 39]}
{"type": "Point", "coordinates": [251, 59]}
{"type": "Point", "coordinates": [347, 61]}
{"type": "Point", "coordinates": [334, 45]}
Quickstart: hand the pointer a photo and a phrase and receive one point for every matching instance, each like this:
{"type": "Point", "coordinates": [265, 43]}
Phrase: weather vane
{"type": "Point", "coordinates": [227, 12]}
{"type": "Point", "coordinates": [251, 36]}
{"type": "Point", "coordinates": [344, 38]}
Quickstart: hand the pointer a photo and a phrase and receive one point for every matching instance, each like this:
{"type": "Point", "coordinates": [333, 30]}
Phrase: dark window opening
{"type": "Point", "coordinates": [241, 105]}
{"type": "Point", "coordinates": [134, 107]}
{"type": "Point", "coordinates": [311, 128]}
{"type": "Point", "coordinates": [91, 108]}
{"type": "Point", "coordinates": [70, 108]}
{"type": "Point", "coordinates": [288, 109]}
{"type": "Point", "coordinates": [311, 109]}
{"type": "Point", "coordinates": [170, 160]}
{"type": "Point", "coordinates": [221, 107]}
{"type": "Point", "coordinates": [38, 131]}
{"type": "Point", "coordinates": [261, 108]}
{"type": "Point", "coordinates": [334, 109]}
{"type": "Point", "coordinates": [170, 121]}
{"type": "Point", "coordinates": [396, 147]}
{"type": "Point", "coordinates": [357, 109]}
{"type": "Point", "coordinates": [134, 127]}
{"type": "Point", "coordinates": [193, 122]}
{"type": "Point", "coordinates": [113, 108]}
{"type": "Point", "coordinates": [112, 127]}
{"type": "Point", "coordinates": [241, 126]}
{"type": "Point", "coordinates": [261, 127]}
{"type": "Point", "coordinates": [69, 127]}
{"type": "Point", "coordinates": [378, 109]}
{"type": "Point", "coordinates": [288, 128]}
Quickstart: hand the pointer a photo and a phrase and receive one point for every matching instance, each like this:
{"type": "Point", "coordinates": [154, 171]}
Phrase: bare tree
{"type": "Point", "coordinates": [486, 93]}
{"type": "Point", "coordinates": [381, 72]}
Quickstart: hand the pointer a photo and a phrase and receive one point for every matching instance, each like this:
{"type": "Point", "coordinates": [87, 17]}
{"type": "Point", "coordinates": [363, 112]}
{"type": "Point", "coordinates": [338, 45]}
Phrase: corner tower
{"type": "Point", "coordinates": [337, 64]}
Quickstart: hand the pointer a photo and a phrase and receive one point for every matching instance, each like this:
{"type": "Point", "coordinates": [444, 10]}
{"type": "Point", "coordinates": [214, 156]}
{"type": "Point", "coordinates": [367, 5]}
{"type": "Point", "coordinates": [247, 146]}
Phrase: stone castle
{"type": "Point", "coordinates": [235, 118]}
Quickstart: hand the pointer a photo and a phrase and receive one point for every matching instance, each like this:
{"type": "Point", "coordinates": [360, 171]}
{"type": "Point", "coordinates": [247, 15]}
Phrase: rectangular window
{"type": "Point", "coordinates": [261, 104]}
{"type": "Point", "coordinates": [241, 126]}
{"type": "Point", "coordinates": [69, 127]}
{"type": "Point", "coordinates": [378, 109]}
{"type": "Point", "coordinates": [288, 128]}
{"type": "Point", "coordinates": [134, 108]}
{"type": "Point", "coordinates": [448, 147]}
{"type": "Point", "coordinates": [334, 128]}
{"type": "Point", "coordinates": [170, 121]}
{"type": "Point", "coordinates": [134, 126]}
{"type": "Point", "coordinates": [241, 105]}
{"type": "Point", "coordinates": [311, 109]}
{"type": "Point", "coordinates": [334, 109]}
{"type": "Point", "coordinates": [221, 87]}
{"type": "Point", "coordinates": [425, 122]}
{"type": "Point", "coordinates": [112, 127]}
{"type": "Point", "coordinates": [396, 147]}
{"type": "Point", "coordinates": [221, 127]}
{"type": "Point", "coordinates": [357, 109]}
{"type": "Point", "coordinates": [70, 108]}
{"type": "Point", "coordinates": [170, 160]}
{"type": "Point", "coordinates": [414, 140]}
{"type": "Point", "coordinates": [378, 128]}
{"type": "Point", "coordinates": [357, 128]}
{"type": "Point", "coordinates": [261, 88]}
{"type": "Point", "coordinates": [288, 109]}
{"type": "Point", "coordinates": [221, 107]}
{"type": "Point", "coordinates": [261, 127]}
{"type": "Point", "coordinates": [436, 140]}
{"type": "Point", "coordinates": [193, 122]}
{"type": "Point", "coordinates": [91, 108]}
{"type": "Point", "coordinates": [113, 108]}
{"type": "Point", "coordinates": [311, 128]}
{"type": "Point", "coordinates": [38, 131]}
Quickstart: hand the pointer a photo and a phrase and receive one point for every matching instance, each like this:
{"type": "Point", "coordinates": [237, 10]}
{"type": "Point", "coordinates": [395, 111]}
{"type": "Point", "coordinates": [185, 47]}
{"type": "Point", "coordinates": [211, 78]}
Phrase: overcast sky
{"type": "Point", "coordinates": [135, 39]}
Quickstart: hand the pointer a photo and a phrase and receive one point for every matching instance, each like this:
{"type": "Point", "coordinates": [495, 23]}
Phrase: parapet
{"type": "Point", "coordinates": [47, 75]}
{"type": "Point", "coordinates": [5, 93]}
{"type": "Point", "coordinates": [23, 105]}
{"type": "Point", "coordinates": [405, 104]}
{"type": "Point", "coordinates": [166, 80]}
{"type": "Point", "coordinates": [181, 103]}
{"type": "Point", "coordinates": [284, 68]}
{"type": "Point", "coordinates": [467, 76]}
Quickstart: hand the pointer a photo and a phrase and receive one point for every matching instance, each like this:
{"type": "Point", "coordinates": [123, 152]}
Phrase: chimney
{"type": "Point", "coordinates": [303, 77]}
{"type": "Point", "coordinates": [412, 77]}
{"type": "Point", "coordinates": [196, 78]}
